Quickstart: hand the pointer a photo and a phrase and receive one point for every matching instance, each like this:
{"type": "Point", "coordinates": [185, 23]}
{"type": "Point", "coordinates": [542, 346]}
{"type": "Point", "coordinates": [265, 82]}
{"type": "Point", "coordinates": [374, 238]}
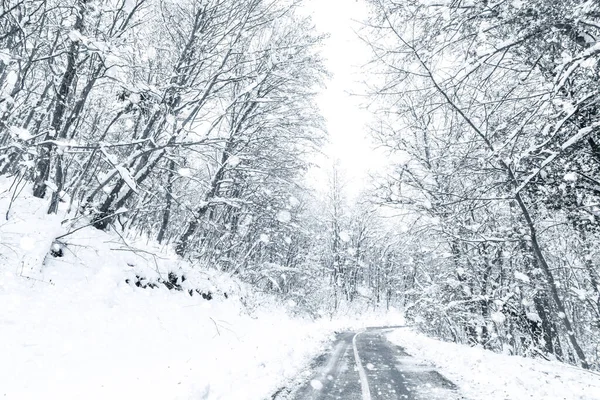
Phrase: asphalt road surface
{"type": "Point", "coordinates": [366, 366]}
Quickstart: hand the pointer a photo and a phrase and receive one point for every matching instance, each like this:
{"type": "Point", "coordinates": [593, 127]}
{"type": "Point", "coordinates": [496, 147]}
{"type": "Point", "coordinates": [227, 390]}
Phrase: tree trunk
{"type": "Point", "coordinates": [43, 165]}
{"type": "Point", "coordinates": [168, 202]}
{"type": "Point", "coordinates": [551, 282]}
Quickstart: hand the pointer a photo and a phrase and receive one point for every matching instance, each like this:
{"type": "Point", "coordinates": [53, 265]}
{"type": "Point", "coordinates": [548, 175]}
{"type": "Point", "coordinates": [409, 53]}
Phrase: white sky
{"type": "Point", "coordinates": [346, 121]}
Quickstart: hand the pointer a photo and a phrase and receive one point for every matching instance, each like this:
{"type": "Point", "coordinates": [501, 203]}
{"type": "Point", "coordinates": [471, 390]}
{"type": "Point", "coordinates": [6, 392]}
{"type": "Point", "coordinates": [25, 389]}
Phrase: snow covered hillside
{"type": "Point", "coordinates": [82, 325]}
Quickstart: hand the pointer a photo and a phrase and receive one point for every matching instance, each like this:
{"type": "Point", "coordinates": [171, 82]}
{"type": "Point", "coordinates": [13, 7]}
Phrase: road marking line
{"type": "Point", "coordinates": [364, 384]}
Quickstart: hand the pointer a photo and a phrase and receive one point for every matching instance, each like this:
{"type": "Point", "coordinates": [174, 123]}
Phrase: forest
{"type": "Point", "coordinates": [193, 123]}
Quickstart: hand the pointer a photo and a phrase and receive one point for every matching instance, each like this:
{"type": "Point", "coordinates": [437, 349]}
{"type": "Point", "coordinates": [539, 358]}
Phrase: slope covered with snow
{"type": "Point", "coordinates": [114, 318]}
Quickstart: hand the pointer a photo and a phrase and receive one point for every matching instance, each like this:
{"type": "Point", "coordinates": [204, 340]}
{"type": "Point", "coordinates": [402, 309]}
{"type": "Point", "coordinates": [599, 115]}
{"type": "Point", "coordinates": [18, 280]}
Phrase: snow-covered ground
{"type": "Point", "coordinates": [71, 327]}
{"type": "Point", "coordinates": [103, 340]}
{"type": "Point", "coordinates": [482, 374]}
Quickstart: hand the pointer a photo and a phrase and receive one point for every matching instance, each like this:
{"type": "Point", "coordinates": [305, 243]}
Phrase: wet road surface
{"type": "Point", "coordinates": [366, 366]}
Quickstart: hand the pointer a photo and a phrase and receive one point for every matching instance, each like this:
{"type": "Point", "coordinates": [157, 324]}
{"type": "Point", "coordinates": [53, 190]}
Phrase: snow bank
{"type": "Point", "coordinates": [78, 327]}
{"type": "Point", "coordinates": [103, 340]}
{"type": "Point", "coordinates": [482, 374]}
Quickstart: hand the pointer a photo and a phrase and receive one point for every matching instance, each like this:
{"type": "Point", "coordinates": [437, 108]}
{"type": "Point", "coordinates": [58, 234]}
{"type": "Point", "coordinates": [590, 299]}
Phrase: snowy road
{"type": "Point", "coordinates": [366, 366]}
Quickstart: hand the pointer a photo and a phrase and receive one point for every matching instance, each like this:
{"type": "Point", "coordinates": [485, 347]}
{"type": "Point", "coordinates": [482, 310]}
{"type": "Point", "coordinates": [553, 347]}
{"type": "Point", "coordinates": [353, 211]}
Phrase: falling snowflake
{"type": "Point", "coordinates": [185, 172]}
{"type": "Point", "coordinates": [234, 161]}
{"type": "Point", "coordinates": [344, 236]}
{"type": "Point", "coordinates": [521, 276]}
{"type": "Point", "coordinates": [134, 98]}
{"type": "Point", "coordinates": [20, 133]}
{"type": "Point", "coordinates": [284, 216]}
{"type": "Point", "coordinates": [498, 317]}
{"type": "Point", "coordinates": [316, 384]}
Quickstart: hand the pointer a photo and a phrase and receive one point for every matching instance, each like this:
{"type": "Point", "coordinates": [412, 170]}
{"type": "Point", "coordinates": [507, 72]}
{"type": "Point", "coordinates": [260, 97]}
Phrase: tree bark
{"type": "Point", "coordinates": [43, 165]}
{"type": "Point", "coordinates": [168, 202]}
